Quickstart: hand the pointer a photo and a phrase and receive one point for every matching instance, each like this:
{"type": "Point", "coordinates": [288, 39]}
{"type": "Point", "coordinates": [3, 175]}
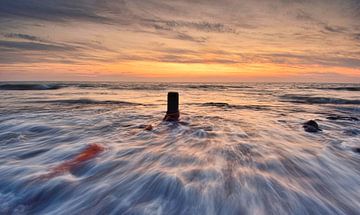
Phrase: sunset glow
{"type": "Point", "coordinates": [180, 40]}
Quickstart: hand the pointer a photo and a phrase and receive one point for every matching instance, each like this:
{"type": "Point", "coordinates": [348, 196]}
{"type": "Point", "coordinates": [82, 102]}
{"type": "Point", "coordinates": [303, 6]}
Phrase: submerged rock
{"type": "Point", "coordinates": [148, 127]}
{"type": "Point", "coordinates": [311, 126]}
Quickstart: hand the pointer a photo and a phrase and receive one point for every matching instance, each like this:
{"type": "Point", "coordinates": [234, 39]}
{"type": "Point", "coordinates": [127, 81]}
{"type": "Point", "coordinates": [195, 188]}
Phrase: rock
{"type": "Point", "coordinates": [172, 117]}
{"type": "Point", "coordinates": [357, 150]}
{"type": "Point", "coordinates": [311, 126]}
{"type": "Point", "coordinates": [148, 127]}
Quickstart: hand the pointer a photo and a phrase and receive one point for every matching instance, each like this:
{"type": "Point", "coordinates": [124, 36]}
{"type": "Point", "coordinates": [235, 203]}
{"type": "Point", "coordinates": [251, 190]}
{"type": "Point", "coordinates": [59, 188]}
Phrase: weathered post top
{"type": "Point", "coordinates": [172, 102]}
{"type": "Point", "coordinates": [173, 112]}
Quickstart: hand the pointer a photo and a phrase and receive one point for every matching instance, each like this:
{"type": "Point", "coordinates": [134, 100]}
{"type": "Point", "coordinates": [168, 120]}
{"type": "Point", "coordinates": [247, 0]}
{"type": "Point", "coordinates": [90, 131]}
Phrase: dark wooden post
{"type": "Point", "coordinates": [172, 102]}
{"type": "Point", "coordinates": [173, 112]}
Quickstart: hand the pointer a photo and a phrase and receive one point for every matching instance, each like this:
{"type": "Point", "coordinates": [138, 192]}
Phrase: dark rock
{"type": "Point", "coordinates": [172, 117]}
{"type": "Point", "coordinates": [311, 126]}
{"type": "Point", "coordinates": [357, 150]}
{"type": "Point", "coordinates": [148, 127]}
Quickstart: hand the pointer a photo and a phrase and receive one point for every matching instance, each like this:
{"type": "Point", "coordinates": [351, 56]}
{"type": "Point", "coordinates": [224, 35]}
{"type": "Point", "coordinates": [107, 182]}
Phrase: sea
{"type": "Point", "coordinates": [239, 148]}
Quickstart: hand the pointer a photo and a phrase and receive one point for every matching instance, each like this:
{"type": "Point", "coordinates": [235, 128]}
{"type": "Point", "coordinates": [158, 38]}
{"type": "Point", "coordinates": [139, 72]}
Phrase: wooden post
{"type": "Point", "coordinates": [172, 102]}
{"type": "Point", "coordinates": [173, 112]}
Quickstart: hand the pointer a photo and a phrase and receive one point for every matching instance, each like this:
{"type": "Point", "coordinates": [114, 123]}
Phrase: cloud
{"type": "Point", "coordinates": [13, 52]}
{"type": "Point", "coordinates": [334, 29]}
{"type": "Point", "coordinates": [23, 36]}
{"type": "Point", "coordinates": [34, 46]}
{"type": "Point", "coordinates": [50, 10]}
{"type": "Point", "coordinates": [315, 59]}
{"type": "Point", "coordinates": [34, 51]}
{"type": "Point", "coordinates": [204, 26]}
{"type": "Point", "coordinates": [186, 37]}
{"type": "Point", "coordinates": [357, 36]}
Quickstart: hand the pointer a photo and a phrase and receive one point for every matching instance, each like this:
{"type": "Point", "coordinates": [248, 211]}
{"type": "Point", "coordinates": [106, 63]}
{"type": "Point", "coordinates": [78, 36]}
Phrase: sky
{"type": "Point", "coordinates": [180, 40]}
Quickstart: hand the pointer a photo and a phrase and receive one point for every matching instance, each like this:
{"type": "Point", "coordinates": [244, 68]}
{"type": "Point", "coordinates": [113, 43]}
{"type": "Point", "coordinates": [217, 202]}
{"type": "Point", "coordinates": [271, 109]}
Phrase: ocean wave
{"type": "Point", "coordinates": [204, 86]}
{"type": "Point", "coordinates": [230, 106]}
{"type": "Point", "coordinates": [317, 100]}
{"type": "Point", "coordinates": [123, 86]}
{"type": "Point", "coordinates": [117, 86]}
{"type": "Point", "coordinates": [338, 117]}
{"type": "Point", "coordinates": [154, 88]}
{"type": "Point", "coordinates": [31, 86]}
{"type": "Point", "coordinates": [352, 109]}
{"type": "Point", "coordinates": [217, 104]}
{"type": "Point", "coordinates": [342, 88]}
{"type": "Point", "coordinates": [88, 102]}
{"type": "Point", "coordinates": [241, 87]}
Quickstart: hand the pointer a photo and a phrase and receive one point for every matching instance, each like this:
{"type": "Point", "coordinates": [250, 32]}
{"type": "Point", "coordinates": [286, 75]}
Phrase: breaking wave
{"type": "Point", "coordinates": [230, 106]}
{"type": "Point", "coordinates": [342, 88]}
{"type": "Point", "coordinates": [31, 86]}
{"type": "Point", "coordinates": [317, 100]}
{"type": "Point", "coordinates": [88, 102]}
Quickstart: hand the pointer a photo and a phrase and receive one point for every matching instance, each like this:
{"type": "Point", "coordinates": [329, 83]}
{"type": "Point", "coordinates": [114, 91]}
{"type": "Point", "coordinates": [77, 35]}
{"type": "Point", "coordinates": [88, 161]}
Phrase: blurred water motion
{"type": "Point", "coordinates": [240, 149]}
